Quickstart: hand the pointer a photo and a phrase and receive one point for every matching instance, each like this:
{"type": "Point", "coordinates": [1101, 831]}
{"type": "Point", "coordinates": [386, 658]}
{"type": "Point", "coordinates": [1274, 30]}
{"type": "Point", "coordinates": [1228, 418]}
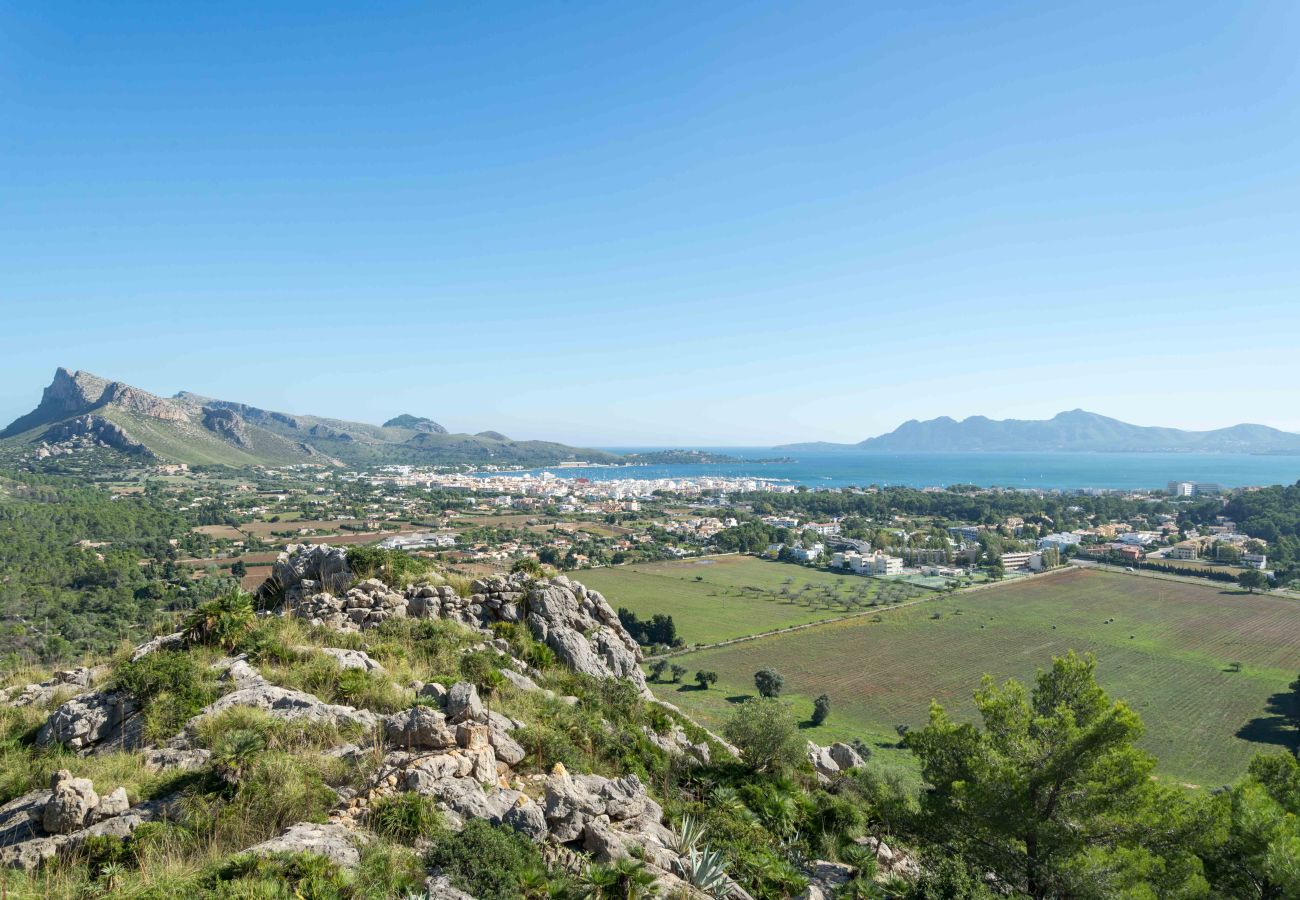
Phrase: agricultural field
{"type": "Point", "coordinates": [720, 598]}
{"type": "Point", "coordinates": [1168, 648]}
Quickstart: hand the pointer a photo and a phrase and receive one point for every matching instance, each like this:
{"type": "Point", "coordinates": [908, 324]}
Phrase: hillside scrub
{"type": "Point", "coordinates": [1046, 797]}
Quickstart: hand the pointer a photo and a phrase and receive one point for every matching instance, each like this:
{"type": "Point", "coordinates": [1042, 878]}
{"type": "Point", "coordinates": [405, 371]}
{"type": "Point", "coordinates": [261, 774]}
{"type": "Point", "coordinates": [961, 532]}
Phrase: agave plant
{"type": "Point", "coordinates": [707, 870]}
{"type": "Point", "coordinates": [690, 831]}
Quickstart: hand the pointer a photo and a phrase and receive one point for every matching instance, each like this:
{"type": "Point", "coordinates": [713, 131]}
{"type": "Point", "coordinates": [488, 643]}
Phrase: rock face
{"type": "Point", "coordinates": [227, 424]}
{"type": "Point", "coordinates": [101, 718]}
{"type": "Point", "coordinates": [95, 430]}
{"type": "Point", "coordinates": [575, 622]}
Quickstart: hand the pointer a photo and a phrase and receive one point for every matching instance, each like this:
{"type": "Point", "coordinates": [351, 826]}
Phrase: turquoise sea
{"type": "Point", "coordinates": [1052, 471]}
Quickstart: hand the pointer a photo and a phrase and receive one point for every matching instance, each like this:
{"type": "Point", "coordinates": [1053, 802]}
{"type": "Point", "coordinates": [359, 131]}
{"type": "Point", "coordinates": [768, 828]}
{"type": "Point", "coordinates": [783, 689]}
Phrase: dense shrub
{"type": "Point", "coordinates": [171, 688]}
{"type": "Point", "coordinates": [487, 861]}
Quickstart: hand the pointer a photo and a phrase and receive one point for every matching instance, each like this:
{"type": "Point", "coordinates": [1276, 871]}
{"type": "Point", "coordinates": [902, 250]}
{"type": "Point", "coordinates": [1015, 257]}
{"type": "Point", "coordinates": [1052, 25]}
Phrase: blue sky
{"type": "Point", "coordinates": [658, 223]}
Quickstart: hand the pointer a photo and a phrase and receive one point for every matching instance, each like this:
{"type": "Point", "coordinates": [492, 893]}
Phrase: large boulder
{"type": "Point", "coordinates": [845, 756]}
{"type": "Point", "coordinates": [463, 704]}
{"type": "Point", "coordinates": [331, 841]}
{"type": "Point", "coordinates": [281, 703]}
{"type": "Point", "coordinates": [419, 728]}
{"type": "Point", "coordinates": [304, 569]}
{"type": "Point", "coordinates": [823, 763]}
{"type": "Point", "coordinates": [97, 719]}
{"type": "Point", "coordinates": [71, 804]}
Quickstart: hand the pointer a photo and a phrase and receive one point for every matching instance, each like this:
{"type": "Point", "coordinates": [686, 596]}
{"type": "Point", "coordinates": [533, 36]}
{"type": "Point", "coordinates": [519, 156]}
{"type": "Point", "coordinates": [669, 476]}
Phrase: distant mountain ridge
{"type": "Point", "coordinates": [1075, 431]}
{"type": "Point", "coordinates": [81, 409]}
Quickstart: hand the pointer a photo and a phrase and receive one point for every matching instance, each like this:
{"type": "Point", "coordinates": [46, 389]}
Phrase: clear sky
{"type": "Point", "coordinates": [658, 223]}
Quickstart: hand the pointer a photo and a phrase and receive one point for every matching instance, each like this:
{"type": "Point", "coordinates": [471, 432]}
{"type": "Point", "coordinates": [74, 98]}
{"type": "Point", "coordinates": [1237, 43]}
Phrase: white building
{"type": "Point", "coordinates": [1022, 559]}
{"type": "Point", "coordinates": [1059, 541]}
{"type": "Point", "coordinates": [1254, 560]}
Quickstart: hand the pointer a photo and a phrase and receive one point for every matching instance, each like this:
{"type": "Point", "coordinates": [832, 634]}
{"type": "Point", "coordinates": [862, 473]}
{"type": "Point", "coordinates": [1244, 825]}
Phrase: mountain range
{"type": "Point", "coordinates": [1074, 431]}
{"type": "Point", "coordinates": [81, 409]}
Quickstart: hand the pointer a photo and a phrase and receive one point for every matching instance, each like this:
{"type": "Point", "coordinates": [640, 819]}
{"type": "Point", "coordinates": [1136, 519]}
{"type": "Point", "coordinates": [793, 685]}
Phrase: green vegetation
{"type": "Point", "coordinates": [71, 558]}
{"type": "Point", "coordinates": [1165, 646]}
{"type": "Point", "coordinates": [490, 862]}
{"type": "Point", "coordinates": [727, 597]}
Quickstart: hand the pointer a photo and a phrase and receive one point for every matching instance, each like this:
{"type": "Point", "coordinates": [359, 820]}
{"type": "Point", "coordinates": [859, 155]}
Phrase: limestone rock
{"type": "Point", "coordinates": [523, 682]}
{"type": "Point", "coordinates": [162, 642]}
{"type": "Point", "coordinates": [167, 758]}
{"type": "Point", "coordinates": [332, 841]}
{"type": "Point", "coordinates": [822, 762]}
{"type": "Point", "coordinates": [112, 804]}
{"type": "Point", "coordinates": [286, 704]}
{"type": "Point", "coordinates": [352, 659]}
{"type": "Point", "coordinates": [507, 749]}
{"type": "Point", "coordinates": [419, 728]}
{"type": "Point", "coordinates": [845, 756]}
{"type": "Point", "coordinates": [44, 692]}
{"type": "Point", "coordinates": [463, 704]}
{"type": "Point", "coordinates": [439, 887]}
{"type": "Point", "coordinates": [70, 805]}
{"type": "Point", "coordinates": [101, 718]}
{"type": "Point", "coordinates": [322, 567]}
{"type": "Point", "coordinates": [435, 692]}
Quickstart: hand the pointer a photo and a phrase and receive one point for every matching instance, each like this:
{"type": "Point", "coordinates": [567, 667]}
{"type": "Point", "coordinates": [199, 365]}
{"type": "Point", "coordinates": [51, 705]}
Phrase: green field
{"type": "Point", "coordinates": [725, 597]}
{"type": "Point", "coordinates": [1167, 653]}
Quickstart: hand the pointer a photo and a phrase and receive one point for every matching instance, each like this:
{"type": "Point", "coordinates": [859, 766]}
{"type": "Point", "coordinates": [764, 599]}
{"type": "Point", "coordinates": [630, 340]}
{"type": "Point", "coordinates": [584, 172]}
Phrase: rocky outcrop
{"type": "Point", "coordinates": [352, 659]}
{"type": "Point", "coordinates": [305, 569]}
{"type": "Point", "coordinates": [575, 622]}
{"type": "Point", "coordinates": [226, 424]}
{"type": "Point", "coordinates": [93, 430]}
{"type": "Point", "coordinates": [281, 703]}
{"type": "Point", "coordinates": [94, 720]}
{"type": "Point", "coordinates": [45, 824]}
{"type": "Point", "coordinates": [368, 604]}
{"type": "Point", "coordinates": [70, 681]}
{"type": "Point", "coordinates": [336, 843]}
{"type": "Point", "coordinates": [833, 761]}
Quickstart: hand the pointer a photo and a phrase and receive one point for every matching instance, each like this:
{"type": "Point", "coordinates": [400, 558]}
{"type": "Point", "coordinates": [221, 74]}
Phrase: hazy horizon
{"type": "Point", "coordinates": [671, 225]}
